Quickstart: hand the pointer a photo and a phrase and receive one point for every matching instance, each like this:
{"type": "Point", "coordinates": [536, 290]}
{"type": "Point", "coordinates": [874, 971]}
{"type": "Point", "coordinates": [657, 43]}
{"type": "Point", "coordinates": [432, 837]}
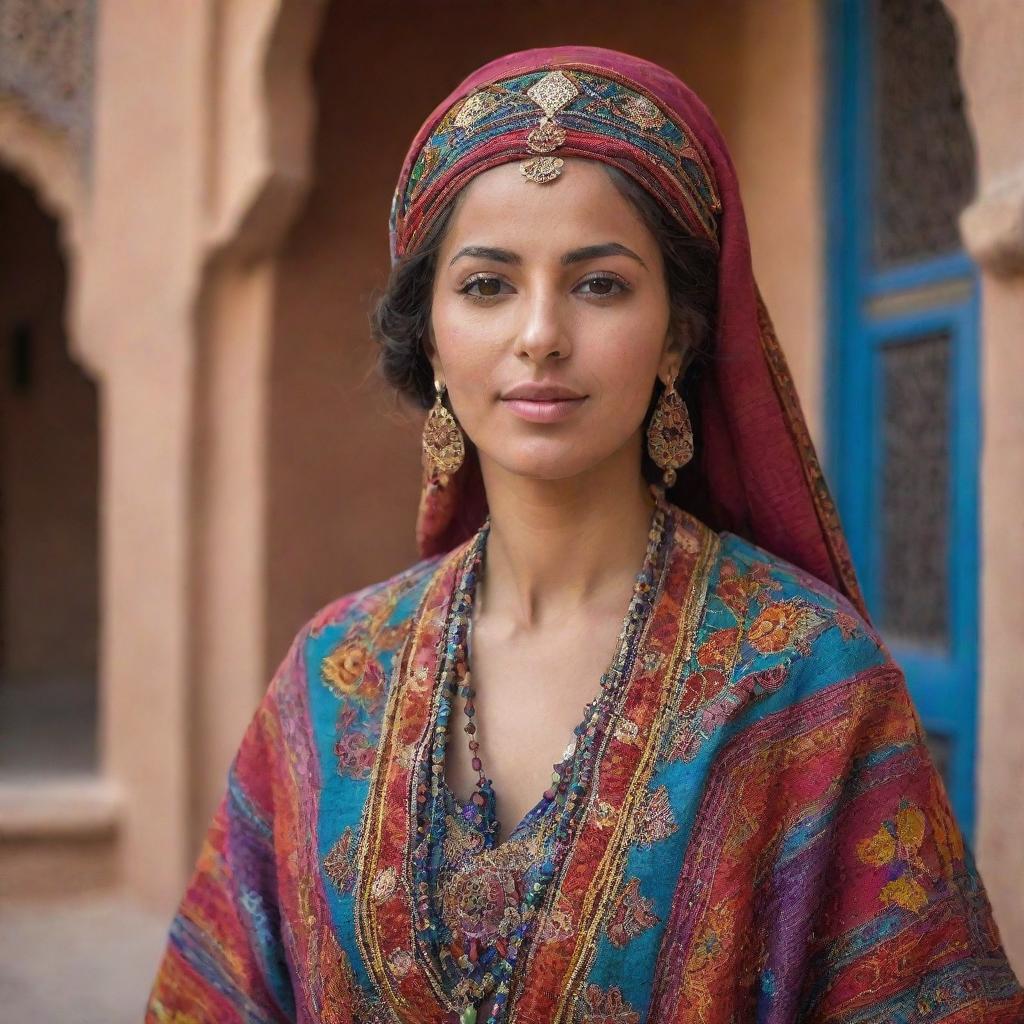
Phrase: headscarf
{"type": "Point", "coordinates": [757, 468]}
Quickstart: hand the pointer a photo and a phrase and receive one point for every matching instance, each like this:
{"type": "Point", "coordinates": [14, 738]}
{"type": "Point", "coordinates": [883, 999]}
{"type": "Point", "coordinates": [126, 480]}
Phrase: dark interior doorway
{"type": "Point", "coordinates": [49, 451]}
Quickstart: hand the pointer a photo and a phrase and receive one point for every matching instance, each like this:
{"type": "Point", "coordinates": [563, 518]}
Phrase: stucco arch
{"type": "Point", "coordinates": [47, 162]}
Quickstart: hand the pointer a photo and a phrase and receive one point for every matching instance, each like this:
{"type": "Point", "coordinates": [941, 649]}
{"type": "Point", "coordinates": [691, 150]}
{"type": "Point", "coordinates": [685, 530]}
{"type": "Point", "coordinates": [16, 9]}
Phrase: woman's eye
{"type": "Point", "coordinates": [487, 286]}
{"type": "Point", "coordinates": [601, 286]}
{"type": "Point", "coordinates": [483, 287]}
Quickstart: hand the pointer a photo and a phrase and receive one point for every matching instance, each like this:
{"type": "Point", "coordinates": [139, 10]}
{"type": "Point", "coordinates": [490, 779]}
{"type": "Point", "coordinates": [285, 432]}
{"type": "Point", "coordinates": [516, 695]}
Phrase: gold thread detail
{"type": "Point", "coordinates": [475, 107]}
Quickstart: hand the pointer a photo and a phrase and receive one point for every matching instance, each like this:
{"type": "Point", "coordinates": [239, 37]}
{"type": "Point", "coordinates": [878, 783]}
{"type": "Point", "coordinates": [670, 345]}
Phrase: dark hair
{"type": "Point", "coordinates": [401, 317]}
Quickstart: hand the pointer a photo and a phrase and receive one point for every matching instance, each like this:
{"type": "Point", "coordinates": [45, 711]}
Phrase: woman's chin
{"type": "Point", "coordinates": [550, 462]}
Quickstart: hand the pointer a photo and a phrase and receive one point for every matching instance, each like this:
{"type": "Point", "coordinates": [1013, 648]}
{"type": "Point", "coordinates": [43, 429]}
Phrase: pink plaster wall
{"type": "Point", "coordinates": [992, 68]}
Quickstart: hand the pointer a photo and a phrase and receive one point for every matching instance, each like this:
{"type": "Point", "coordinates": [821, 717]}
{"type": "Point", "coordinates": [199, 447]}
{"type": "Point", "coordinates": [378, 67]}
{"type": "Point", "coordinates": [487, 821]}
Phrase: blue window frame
{"type": "Point", "coordinates": [903, 418]}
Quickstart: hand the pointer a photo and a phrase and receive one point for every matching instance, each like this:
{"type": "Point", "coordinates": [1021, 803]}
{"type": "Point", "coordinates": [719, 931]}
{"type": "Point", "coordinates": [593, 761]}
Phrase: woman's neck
{"type": "Point", "coordinates": [556, 546]}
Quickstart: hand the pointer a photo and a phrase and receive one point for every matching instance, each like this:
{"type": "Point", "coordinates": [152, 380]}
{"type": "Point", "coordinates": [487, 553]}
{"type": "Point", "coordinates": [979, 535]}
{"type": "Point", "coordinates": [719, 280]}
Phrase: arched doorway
{"type": "Point", "coordinates": [49, 429]}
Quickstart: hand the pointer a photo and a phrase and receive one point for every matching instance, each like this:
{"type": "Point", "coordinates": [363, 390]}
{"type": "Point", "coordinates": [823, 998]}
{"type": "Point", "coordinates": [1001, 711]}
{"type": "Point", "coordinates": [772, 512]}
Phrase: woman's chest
{"type": "Point", "coordinates": [531, 697]}
{"type": "Point", "coordinates": [606, 909]}
{"type": "Point", "coordinates": [622, 895]}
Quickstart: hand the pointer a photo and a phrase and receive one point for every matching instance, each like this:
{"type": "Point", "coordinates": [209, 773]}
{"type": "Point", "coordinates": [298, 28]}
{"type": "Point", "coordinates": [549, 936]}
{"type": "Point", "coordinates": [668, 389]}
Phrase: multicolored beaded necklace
{"type": "Point", "coordinates": [472, 979]}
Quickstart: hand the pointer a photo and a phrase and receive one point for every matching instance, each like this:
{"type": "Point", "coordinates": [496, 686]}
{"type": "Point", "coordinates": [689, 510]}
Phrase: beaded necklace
{"type": "Point", "coordinates": [489, 974]}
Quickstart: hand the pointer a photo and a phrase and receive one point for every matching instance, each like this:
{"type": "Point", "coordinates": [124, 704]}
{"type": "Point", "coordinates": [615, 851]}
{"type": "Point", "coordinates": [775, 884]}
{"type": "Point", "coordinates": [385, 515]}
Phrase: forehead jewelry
{"type": "Point", "coordinates": [551, 93]}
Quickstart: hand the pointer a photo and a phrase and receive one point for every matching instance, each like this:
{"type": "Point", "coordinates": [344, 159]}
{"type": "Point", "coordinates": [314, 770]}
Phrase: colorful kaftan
{"type": "Point", "coordinates": [766, 838]}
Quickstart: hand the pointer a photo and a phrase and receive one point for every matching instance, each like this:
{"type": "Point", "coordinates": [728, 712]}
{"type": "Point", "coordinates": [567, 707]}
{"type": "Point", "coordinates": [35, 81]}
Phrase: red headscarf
{"type": "Point", "coordinates": [758, 468]}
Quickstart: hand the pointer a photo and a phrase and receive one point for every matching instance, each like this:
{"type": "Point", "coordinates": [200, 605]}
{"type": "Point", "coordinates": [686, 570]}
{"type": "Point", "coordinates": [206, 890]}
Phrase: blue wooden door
{"type": "Point", "coordinates": [902, 384]}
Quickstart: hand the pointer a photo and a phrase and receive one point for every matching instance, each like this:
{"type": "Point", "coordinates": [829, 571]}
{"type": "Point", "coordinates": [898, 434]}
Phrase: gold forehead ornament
{"type": "Point", "coordinates": [551, 93]}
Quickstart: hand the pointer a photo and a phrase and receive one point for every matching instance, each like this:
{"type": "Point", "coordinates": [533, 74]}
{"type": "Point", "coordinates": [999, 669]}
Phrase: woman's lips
{"type": "Point", "coordinates": [547, 410]}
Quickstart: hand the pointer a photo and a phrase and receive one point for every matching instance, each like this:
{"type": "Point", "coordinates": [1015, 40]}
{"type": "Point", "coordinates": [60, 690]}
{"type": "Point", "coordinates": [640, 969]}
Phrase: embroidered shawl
{"type": "Point", "coordinates": [766, 837]}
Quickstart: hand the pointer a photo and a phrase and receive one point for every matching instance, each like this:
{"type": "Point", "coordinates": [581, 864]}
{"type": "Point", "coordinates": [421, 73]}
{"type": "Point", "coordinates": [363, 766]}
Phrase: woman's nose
{"type": "Point", "coordinates": [543, 331]}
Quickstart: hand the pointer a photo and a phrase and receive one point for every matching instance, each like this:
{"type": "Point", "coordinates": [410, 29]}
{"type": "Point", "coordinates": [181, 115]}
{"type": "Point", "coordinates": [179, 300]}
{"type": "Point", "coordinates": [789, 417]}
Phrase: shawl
{"type": "Point", "coordinates": [765, 838]}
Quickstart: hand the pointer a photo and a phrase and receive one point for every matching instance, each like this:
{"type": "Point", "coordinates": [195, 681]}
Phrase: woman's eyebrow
{"type": "Point", "coordinates": [591, 252]}
{"type": "Point", "coordinates": [587, 252]}
{"type": "Point", "coordinates": [487, 252]}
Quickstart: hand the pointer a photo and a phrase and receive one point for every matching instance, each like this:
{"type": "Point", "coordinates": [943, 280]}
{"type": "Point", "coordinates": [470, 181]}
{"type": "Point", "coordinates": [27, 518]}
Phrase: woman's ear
{"type": "Point", "coordinates": [675, 354]}
{"type": "Point", "coordinates": [430, 350]}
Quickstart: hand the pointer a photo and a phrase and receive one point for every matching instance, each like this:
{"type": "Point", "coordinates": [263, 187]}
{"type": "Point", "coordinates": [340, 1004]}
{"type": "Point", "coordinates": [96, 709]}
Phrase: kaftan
{"type": "Point", "coordinates": [766, 837]}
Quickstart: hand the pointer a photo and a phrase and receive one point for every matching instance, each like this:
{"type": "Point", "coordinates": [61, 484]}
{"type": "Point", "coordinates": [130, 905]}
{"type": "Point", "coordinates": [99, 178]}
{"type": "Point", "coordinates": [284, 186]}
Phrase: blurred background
{"type": "Point", "coordinates": [195, 454]}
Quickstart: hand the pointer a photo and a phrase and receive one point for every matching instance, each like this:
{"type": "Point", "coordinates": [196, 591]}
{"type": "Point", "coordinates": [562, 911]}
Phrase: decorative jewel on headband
{"type": "Point", "coordinates": [553, 92]}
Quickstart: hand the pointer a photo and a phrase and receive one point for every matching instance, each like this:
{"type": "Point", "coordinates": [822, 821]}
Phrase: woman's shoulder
{"type": "Point", "coordinates": [356, 626]}
{"type": "Point", "coordinates": [358, 609]}
{"type": "Point", "coordinates": [338, 661]}
{"type": "Point", "coordinates": [770, 576]}
{"type": "Point", "coordinates": [777, 617]}
{"type": "Point", "coordinates": [742, 572]}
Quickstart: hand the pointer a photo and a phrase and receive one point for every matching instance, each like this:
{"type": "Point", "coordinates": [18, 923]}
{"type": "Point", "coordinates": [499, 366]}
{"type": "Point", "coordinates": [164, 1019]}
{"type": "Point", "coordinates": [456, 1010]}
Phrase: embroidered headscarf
{"type": "Point", "coordinates": [756, 465]}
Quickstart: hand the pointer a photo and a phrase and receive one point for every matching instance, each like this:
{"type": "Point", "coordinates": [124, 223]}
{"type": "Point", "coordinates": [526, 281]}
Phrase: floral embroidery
{"type": "Point", "coordinates": [339, 864]}
{"type": "Point", "coordinates": [655, 820]}
{"type": "Point", "coordinates": [905, 892]}
{"type": "Point", "coordinates": [384, 885]}
{"type": "Point", "coordinates": [354, 675]}
{"type": "Point", "coordinates": [631, 915]}
{"type": "Point", "coordinates": [604, 814]}
{"type": "Point", "coordinates": [702, 687]}
{"type": "Point", "coordinates": [736, 590]}
{"type": "Point", "coordinates": [400, 963]}
{"type": "Point", "coordinates": [557, 923]}
{"type": "Point", "coordinates": [700, 690]}
{"type": "Point", "coordinates": [897, 845]}
{"type": "Point", "coordinates": [757, 684]}
{"type": "Point", "coordinates": [606, 1007]}
{"type": "Point", "coordinates": [848, 624]}
{"type": "Point", "coordinates": [709, 946]}
{"type": "Point", "coordinates": [351, 673]}
{"type": "Point", "coordinates": [721, 648]}
{"type": "Point", "coordinates": [460, 842]}
{"type": "Point", "coordinates": [781, 626]}
{"type": "Point", "coordinates": [750, 654]}
{"type": "Point", "coordinates": [356, 746]}
{"type": "Point", "coordinates": [481, 889]}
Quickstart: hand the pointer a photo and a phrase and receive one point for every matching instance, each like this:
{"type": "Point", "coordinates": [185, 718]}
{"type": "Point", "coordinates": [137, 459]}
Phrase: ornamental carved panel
{"type": "Point", "coordinates": [46, 62]}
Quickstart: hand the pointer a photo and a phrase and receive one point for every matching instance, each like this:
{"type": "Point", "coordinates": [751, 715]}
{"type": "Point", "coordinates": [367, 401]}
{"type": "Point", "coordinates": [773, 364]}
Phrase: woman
{"type": "Point", "coordinates": [746, 824]}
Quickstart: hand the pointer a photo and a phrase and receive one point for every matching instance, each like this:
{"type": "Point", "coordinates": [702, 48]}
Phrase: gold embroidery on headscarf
{"type": "Point", "coordinates": [474, 107]}
{"type": "Point", "coordinates": [641, 111]}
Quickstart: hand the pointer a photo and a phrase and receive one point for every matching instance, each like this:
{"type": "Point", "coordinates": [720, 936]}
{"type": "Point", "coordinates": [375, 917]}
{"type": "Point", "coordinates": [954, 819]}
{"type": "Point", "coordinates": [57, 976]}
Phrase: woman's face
{"type": "Point", "coordinates": [550, 320]}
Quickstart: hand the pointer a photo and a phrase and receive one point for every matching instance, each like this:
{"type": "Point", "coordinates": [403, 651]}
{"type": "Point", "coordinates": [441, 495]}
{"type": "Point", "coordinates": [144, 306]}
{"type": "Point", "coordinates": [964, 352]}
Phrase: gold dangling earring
{"type": "Point", "coordinates": [444, 447]}
{"type": "Point", "coordinates": [669, 434]}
